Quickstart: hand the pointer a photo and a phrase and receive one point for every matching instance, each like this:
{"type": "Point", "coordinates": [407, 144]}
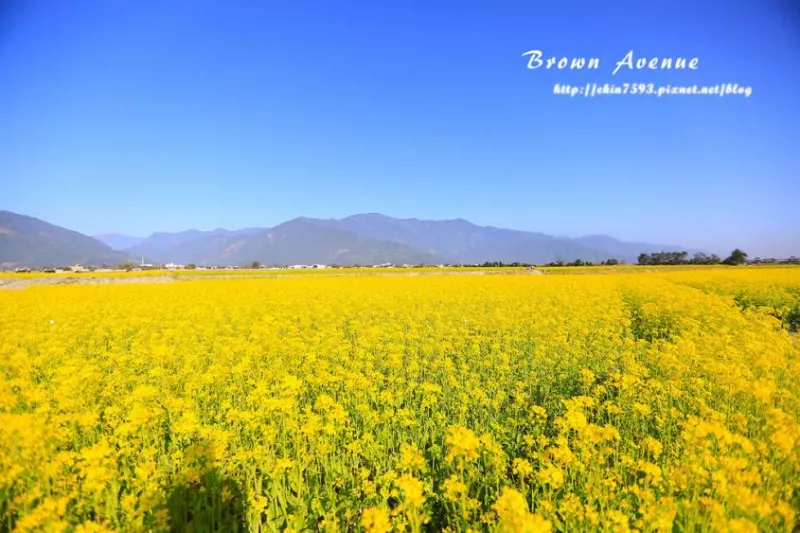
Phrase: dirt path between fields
{"type": "Point", "coordinates": [83, 280]}
{"type": "Point", "coordinates": [16, 284]}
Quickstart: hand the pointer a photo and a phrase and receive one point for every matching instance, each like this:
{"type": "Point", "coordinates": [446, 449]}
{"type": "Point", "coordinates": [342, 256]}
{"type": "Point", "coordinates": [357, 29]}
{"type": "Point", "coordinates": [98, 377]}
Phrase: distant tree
{"type": "Point", "coordinates": [737, 257]}
{"type": "Point", "coordinates": [699, 259]}
{"type": "Point", "coordinates": [191, 266]}
{"type": "Point", "coordinates": [255, 264]}
{"type": "Point", "coordinates": [669, 258]}
{"type": "Point", "coordinates": [126, 265]}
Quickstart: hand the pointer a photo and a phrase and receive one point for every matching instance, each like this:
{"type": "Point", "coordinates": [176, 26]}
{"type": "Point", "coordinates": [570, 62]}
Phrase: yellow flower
{"type": "Point", "coordinates": [574, 419]}
{"type": "Point", "coordinates": [413, 491]}
{"type": "Point", "coordinates": [650, 470]}
{"type": "Point", "coordinates": [522, 468]}
{"type": "Point", "coordinates": [375, 520]}
{"type": "Point", "coordinates": [742, 525]}
{"type": "Point", "coordinates": [512, 511]}
{"type": "Point", "coordinates": [653, 446]}
{"type": "Point", "coordinates": [551, 475]}
{"type": "Point", "coordinates": [587, 377]}
{"type": "Point", "coordinates": [411, 458]}
{"type": "Point", "coordinates": [453, 488]}
{"type": "Point", "coordinates": [463, 443]}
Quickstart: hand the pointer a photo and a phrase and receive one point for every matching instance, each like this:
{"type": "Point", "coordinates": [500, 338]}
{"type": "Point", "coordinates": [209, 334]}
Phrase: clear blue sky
{"type": "Point", "coordinates": [135, 116]}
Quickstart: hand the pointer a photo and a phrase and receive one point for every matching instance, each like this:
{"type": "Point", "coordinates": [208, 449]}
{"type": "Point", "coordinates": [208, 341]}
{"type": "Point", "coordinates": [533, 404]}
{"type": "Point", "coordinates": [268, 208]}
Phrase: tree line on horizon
{"type": "Point", "coordinates": [662, 258]}
{"type": "Point", "coordinates": [737, 257]}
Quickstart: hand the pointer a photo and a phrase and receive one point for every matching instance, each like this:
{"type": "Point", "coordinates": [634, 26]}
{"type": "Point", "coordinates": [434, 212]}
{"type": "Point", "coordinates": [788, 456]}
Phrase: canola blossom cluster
{"type": "Point", "coordinates": [618, 402]}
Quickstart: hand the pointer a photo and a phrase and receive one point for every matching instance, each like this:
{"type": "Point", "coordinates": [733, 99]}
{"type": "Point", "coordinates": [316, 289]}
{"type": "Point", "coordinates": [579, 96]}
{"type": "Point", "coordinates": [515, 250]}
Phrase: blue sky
{"type": "Point", "coordinates": [136, 116]}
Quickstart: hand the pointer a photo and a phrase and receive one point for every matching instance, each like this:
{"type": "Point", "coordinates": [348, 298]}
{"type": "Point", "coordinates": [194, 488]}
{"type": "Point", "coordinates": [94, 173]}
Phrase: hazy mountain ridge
{"type": "Point", "coordinates": [160, 243]}
{"type": "Point", "coordinates": [461, 241]}
{"type": "Point", "coordinates": [28, 241]}
{"type": "Point", "coordinates": [453, 241]}
{"type": "Point", "coordinates": [369, 238]}
{"type": "Point", "coordinates": [298, 241]}
{"type": "Point", "coordinates": [117, 241]}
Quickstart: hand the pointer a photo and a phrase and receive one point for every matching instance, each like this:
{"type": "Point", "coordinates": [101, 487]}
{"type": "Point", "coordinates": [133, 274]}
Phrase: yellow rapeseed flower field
{"type": "Point", "coordinates": [600, 402]}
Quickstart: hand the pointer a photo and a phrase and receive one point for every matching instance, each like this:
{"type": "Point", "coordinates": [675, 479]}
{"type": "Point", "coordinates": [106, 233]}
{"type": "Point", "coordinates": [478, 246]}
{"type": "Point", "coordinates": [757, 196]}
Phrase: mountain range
{"type": "Point", "coordinates": [370, 238]}
{"type": "Point", "coordinates": [29, 241]}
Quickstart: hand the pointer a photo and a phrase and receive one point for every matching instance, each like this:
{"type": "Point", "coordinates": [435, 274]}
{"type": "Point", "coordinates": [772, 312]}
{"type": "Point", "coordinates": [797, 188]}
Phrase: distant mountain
{"type": "Point", "coordinates": [159, 246]}
{"type": "Point", "coordinates": [370, 238]}
{"type": "Point", "coordinates": [28, 241]}
{"type": "Point", "coordinates": [461, 241]}
{"type": "Point", "coordinates": [298, 241]}
{"type": "Point", "coordinates": [366, 237]}
{"type": "Point", "coordinates": [117, 241]}
{"type": "Point", "coordinates": [452, 241]}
